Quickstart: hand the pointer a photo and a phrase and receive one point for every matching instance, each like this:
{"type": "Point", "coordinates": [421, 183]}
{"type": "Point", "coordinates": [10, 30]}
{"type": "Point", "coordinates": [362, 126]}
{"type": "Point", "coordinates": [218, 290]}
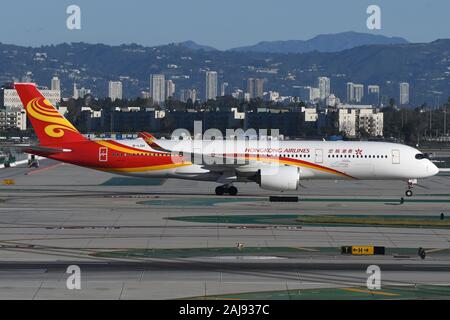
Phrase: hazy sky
{"type": "Point", "coordinates": [223, 24]}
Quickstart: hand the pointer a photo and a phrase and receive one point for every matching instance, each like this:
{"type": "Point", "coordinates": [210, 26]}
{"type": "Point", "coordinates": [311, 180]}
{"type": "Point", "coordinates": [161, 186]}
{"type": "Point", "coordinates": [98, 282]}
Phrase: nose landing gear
{"type": "Point", "coordinates": [411, 183]}
{"type": "Point", "coordinates": [231, 190]}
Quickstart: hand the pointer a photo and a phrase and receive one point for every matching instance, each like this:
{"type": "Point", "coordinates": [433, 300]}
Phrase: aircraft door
{"type": "Point", "coordinates": [395, 156]}
{"type": "Point", "coordinates": [103, 154]}
{"type": "Point", "coordinates": [318, 156]}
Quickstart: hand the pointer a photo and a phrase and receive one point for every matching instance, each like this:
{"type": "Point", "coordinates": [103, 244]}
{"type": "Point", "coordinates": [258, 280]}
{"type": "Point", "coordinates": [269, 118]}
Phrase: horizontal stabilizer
{"type": "Point", "coordinates": [36, 149]}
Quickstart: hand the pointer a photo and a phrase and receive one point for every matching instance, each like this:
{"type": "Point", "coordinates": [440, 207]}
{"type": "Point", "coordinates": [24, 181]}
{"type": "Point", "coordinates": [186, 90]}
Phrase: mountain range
{"type": "Point", "coordinates": [322, 43]}
{"type": "Point", "coordinates": [425, 66]}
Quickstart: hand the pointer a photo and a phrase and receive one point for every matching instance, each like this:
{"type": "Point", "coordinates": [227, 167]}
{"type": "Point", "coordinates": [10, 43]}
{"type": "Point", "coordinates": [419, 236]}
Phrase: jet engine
{"type": "Point", "coordinates": [283, 178]}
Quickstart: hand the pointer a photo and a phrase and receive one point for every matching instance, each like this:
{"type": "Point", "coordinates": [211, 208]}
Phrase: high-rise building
{"type": "Point", "coordinates": [115, 90]}
{"type": "Point", "coordinates": [157, 88]}
{"type": "Point", "coordinates": [211, 85]}
{"type": "Point", "coordinates": [404, 93]}
{"type": "Point", "coordinates": [359, 92]}
{"type": "Point", "coordinates": [145, 95]}
{"type": "Point", "coordinates": [350, 92]}
{"type": "Point", "coordinates": [259, 88]}
{"type": "Point", "coordinates": [82, 92]}
{"type": "Point", "coordinates": [186, 94]}
{"type": "Point", "coordinates": [324, 87]}
{"type": "Point", "coordinates": [314, 94]}
{"type": "Point", "coordinates": [255, 87]}
{"type": "Point", "coordinates": [75, 91]}
{"type": "Point", "coordinates": [223, 89]}
{"type": "Point", "coordinates": [251, 88]}
{"type": "Point", "coordinates": [56, 83]}
{"type": "Point", "coordinates": [170, 88]}
{"type": "Point", "coordinates": [373, 94]}
{"type": "Point", "coordinates": [309, 94]}
{"type": "Point", "coordinates": [355, 92]}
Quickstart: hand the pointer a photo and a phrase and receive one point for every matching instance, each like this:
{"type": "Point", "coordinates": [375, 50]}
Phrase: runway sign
{"type": "Point", "coordinates": [362, 250]}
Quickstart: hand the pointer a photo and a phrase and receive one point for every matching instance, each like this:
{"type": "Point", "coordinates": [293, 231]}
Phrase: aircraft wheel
{"type": "Point", "coordinates": [408, 193]}
{"type": "Point", "coordinates": [220, 190]}
{"type": "Point", "coordinates": [232, 191]}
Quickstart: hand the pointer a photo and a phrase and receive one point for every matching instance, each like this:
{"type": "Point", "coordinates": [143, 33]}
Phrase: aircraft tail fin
{"type": "Point", "coordinates": [50, 126]}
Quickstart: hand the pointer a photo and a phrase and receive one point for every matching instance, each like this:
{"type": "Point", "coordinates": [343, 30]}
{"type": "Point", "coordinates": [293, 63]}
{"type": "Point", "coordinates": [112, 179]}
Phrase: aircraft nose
{"type": "Point", "coordinates": [432, 169]}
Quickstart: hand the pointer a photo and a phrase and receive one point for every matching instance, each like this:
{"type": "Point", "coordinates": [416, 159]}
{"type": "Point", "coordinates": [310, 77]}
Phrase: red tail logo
{"type": "Point", "coordinates": [50, 126]}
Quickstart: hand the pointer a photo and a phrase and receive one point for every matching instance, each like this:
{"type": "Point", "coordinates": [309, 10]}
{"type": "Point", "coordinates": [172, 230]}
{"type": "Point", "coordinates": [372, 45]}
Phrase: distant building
{"type": "Point", "coordinates": [170, 88]}
{"type": "Point", "coordinates": [324, 87]}
{"type": "Point", "coordinates": [373, 95]}
{"type": "Point", "coordinates": [115, 90]}
{"type": "Point", "coordinates": [274, 96]}
{"type": "Point", "coordinates": [314, 94]}
{"type": "Point", "coordinates": [211, 85]}
{"type": "Point", "coordinates": [371, 121]}
{"type": "Point", "coordinates": [255, 87]}
{"type": "Point", "coordinates": [80, 93]}
{"type": "Point", "coordinates": [186, 94]}
{"type": "Point", "coordinates": [353, 118]}
{"type": "Point", "coordinates": [404, 93]}
{"type": "Point", "coordinates": [355, 92]}
{"type": "Point", "coordinates": [332, 100]}
{"type": "Point", "coordinates": [251, 88]}
{"type": "Point", "coordinates": [75, 92]}
{"type": "Point", "coordinates": [145, 95]}
{"type": "Point", "coordinates": [346, 121]}
{"type": "Point", "coordinates": [55, 84]}
{"type": "Point", "coordinates": [309, 94]}
{"type": "Point", "coordinates": [13, 118]}
{"type": "Point", "coordinates": [259, 88]}
{"type": "Point", "coordinates": [10, 99]}
{"type": "Point", "coordinates": [157, 88]}
{"type": "Point", "coordinates": [310, 114]}
{"type": "Point", "coordinates": [237, 94]}
{"type": "Point", "coordinates": [224, 89]}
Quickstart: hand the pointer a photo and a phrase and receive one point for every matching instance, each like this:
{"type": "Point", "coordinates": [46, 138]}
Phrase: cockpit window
{"type": "Point", "coordinates": [420, 156]}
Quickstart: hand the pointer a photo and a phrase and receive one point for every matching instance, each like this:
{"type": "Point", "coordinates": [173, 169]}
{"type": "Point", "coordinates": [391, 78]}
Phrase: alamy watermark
{"type": "Point", "coordinates": [374, 20]}
{"type": "Point", "coordinates": [374, 279]}
{"type": "Point", "coordinates": [73, 281]}
{"type": "Point", "coordinates": [73, 21]}
{"type": "Point", "coordinates": [236, 147]}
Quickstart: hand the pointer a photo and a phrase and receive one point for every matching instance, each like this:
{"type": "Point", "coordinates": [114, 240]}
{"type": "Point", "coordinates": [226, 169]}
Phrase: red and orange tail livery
{"type": "Point", "coordinates": [51, 128]}
{"type": "Point", "coordinates": [150, 140]}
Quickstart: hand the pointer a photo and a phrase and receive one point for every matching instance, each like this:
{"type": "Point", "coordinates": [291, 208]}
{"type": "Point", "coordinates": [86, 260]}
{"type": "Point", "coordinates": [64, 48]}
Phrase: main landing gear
{"type": "Point", "coordinates": [411, 183]}
{"type": "Point", "coordinates": [231, 190]}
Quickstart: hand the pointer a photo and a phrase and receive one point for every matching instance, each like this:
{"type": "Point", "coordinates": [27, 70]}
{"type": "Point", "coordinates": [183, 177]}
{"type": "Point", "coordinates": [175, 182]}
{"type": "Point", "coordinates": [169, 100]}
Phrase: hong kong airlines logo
{"type": "Point", "coordinates": [358, 152]}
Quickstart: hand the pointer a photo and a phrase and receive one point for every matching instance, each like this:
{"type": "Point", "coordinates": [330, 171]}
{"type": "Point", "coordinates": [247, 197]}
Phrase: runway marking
{"type": "Point", "coordinates": [44, 169]}
{"type": "Point", "coordinates": [383, 293]}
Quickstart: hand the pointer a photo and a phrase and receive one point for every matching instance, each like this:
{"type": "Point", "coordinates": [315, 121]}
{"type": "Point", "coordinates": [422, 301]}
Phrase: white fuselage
{"type": "Point", "coordinates": [209, 159]}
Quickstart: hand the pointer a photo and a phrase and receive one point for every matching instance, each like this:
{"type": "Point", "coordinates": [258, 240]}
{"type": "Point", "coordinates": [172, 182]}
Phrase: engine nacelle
{"type": "Point", "coordinates": [283, 178]}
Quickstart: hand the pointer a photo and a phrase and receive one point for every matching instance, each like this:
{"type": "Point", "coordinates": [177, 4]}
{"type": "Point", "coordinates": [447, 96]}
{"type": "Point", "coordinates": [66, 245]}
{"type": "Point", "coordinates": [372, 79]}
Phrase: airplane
{"type": "Point", "coordinates": [273, 165]}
